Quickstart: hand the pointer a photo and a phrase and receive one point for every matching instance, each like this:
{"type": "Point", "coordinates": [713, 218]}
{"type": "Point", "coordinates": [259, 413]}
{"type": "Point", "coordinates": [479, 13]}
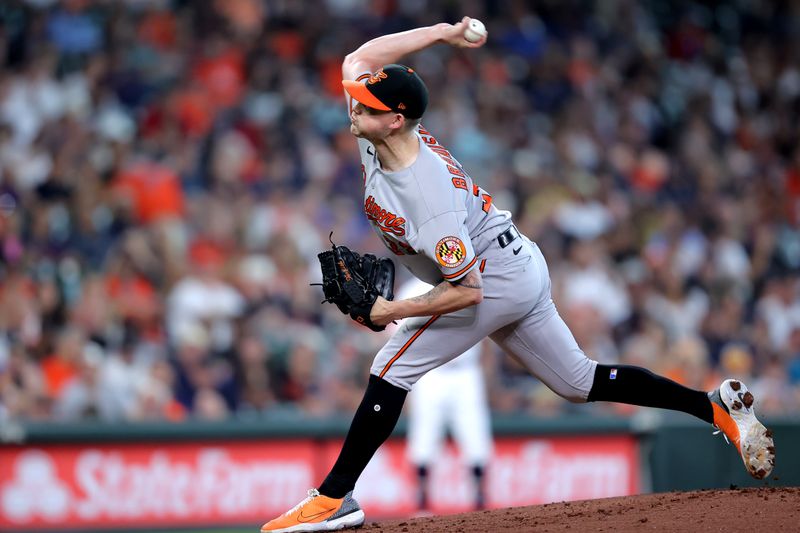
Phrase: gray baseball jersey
{"type": "Point", "coordinates": [430, 214]}
{"type": "Point", "coordinates": [440, 225]}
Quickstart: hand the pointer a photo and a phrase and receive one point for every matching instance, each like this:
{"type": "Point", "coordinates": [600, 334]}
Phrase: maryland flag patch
{"type": "Point", "coordinates": [450, 252]}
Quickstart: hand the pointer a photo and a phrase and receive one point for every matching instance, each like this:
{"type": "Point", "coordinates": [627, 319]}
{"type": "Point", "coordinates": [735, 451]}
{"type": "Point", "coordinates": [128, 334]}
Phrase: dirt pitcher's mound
{"type": "Point", "coordinates": [746, 510]}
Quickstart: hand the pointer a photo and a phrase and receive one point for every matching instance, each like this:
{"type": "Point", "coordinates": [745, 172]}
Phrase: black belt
{"type": "Point", "coordinates": [508, 236]}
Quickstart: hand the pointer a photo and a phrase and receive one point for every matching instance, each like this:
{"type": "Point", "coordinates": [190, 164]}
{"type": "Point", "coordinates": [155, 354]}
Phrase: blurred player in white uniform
{"type": "Point", "coordinates": [452, 396]}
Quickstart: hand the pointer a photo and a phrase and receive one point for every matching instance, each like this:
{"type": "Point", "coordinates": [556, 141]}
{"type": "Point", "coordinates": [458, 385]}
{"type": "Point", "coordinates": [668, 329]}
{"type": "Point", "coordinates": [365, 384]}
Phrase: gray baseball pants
{"type": "Point", "coordinates": [517, 313]}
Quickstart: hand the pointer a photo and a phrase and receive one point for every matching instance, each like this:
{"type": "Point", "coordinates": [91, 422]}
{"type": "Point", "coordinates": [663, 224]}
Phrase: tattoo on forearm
{"type": "Point", "coordinates": [471, 280]}
{"type": "Point", "coordinates": [431, 295]}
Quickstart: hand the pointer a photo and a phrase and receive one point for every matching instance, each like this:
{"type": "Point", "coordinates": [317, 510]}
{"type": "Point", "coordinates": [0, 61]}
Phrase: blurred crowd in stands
{"type": "Point", "coordinates": [170, 169]}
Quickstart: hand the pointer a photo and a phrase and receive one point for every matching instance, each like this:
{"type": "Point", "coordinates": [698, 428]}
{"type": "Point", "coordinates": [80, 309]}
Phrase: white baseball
{"type": "Point", "coordinates": [475, 31]}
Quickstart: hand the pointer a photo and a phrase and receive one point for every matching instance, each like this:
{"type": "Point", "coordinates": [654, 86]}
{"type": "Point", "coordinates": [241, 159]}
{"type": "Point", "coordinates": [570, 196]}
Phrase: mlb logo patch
{"type": "Point", "coordinates": [613, 374]}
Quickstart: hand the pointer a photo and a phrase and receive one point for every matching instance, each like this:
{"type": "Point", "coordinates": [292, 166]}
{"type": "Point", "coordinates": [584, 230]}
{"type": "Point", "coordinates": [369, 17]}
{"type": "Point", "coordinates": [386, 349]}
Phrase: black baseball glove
{"type": "Point", "coordinates": [353, 282]}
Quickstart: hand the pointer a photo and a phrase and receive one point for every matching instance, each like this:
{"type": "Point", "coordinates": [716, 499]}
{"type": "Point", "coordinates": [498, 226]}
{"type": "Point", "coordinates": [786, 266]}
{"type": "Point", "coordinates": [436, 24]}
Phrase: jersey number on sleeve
{"type": "Point", "coordinates": [461, 183]}
{"type": "Point", "coordinates": [487, 198]}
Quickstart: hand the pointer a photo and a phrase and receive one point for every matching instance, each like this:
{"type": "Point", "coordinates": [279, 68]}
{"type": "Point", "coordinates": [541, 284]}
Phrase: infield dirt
{"type": "Point", "coordinates": [751, 510]}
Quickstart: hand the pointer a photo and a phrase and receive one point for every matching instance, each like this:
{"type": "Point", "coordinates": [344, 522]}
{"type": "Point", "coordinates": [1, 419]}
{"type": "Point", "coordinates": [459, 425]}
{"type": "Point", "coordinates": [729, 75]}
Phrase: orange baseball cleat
{"type": "Point", "coordinates": [735, 416]}
{"type": "Point", "coordinates": [318, 513]}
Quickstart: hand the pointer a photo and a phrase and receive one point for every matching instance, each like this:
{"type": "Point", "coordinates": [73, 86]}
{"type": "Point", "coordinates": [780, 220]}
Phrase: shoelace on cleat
{"type": "Point", "coordinates": [312, 493]}
{"type": "Point", "coordinates": [718, 431]}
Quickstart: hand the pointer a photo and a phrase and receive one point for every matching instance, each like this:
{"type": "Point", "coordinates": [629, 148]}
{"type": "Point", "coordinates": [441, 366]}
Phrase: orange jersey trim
{"type": "Point", "coordinates": [470, 265]}
{"type": "Point", "coordinates": [408, 343]}
{"type": "Point", "coordinates": [483, 265]}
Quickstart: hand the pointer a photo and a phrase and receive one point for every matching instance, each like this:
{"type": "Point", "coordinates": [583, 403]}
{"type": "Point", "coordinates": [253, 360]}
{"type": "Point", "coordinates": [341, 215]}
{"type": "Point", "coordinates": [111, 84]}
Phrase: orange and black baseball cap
{"type": "Point", "coordinates": [392, 88]}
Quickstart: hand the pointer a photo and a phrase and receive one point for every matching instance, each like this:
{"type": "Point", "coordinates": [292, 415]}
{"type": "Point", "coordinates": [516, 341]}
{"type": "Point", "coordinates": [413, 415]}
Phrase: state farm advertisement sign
{"type": "Point", "coordinates": [523, 471]}
{"type": "Point", "coordinates": [249, 482]}
{"type": "Point", "coordinates": [148, 484]}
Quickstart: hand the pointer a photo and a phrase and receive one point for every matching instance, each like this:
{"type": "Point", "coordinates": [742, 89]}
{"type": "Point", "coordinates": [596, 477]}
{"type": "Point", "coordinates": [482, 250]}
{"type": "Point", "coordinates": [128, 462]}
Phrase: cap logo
{"type": "Point", "coordinates": [401, 105]}
{"type": "Point", "coordinates": [378, 76]}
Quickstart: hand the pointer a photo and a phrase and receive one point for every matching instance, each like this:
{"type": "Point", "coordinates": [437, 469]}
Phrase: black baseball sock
{"type": "Point", "coordinates": [639, 386]}
{"type": "Point", "coordinates": [422, 487]}
{"type": "Point", "coordinates": [477, 475]}
{"type": "Point", "coordinates": [372, 424]}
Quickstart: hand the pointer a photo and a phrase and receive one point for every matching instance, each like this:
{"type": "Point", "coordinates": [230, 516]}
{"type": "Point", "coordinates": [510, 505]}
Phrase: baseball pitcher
{"type": "Point", "coordinates": [488, 280]}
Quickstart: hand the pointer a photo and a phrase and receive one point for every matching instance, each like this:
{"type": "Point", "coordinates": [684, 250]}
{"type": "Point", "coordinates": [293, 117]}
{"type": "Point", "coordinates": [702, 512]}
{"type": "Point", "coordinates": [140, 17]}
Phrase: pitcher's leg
{"type": "Point", "coordinates": [372, 424]}
{"type": "Point", "coordinates": [543, 343]}
{"type": "Point", "coordinates": [418, 346]}
{"type": "Point", "coordinates": [551, 353]}
{"type": "Point", "coordinates": [639, 386]}
{"type": "Point", "coordinates": [729, 408]}
{"type": "Point", "coordinates": [422, 344]}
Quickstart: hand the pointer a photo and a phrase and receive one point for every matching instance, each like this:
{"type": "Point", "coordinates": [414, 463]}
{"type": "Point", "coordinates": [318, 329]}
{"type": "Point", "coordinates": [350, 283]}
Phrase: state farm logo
{"type": "Point", "coordinates": [129, 484]}
{"type": "Point", "coordinates": [543, 473]}
{"type": "Point", "coordinates": [35, 490]}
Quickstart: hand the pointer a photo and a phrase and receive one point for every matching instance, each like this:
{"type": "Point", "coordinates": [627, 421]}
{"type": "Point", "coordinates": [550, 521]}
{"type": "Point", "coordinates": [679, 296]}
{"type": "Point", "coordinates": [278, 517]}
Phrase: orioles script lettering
{"type": "Point", "coordinates": [387, 221]}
